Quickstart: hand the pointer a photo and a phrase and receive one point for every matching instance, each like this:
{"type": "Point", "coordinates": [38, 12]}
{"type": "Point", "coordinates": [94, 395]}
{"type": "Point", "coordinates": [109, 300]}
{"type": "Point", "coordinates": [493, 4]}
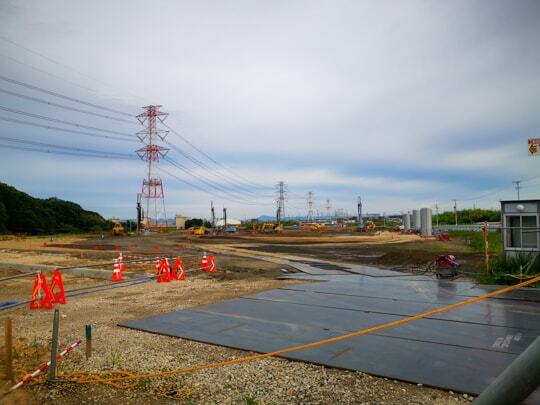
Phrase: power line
{"type": "Point", "coordinates": [82, 150]}
{"type": "Point", "coordinates": [48, 58]}
{"type": "Point", "coordinates": [42, 117]}
{"type": "Point", "coordinates": [210, 183]}
{"type": "Point", "coordinates": [39, 100]}
{"type": "Point", "coordinates": [55, 94]}
{"type": "Point", "coordinates": [215, 161]}
{"type": "Point", "coordinates": [202, 189]}
{"type": "Point", "coordinates": [206, 167]}
{"type": "Point", "coordinates": [70, 131]}
{"type": "Point", "coordinates": [60, 152]}
{"type": "Point", "coordinates": [4, 56]}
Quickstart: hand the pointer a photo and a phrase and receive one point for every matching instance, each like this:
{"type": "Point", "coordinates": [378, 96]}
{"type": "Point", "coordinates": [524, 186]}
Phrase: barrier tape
{"type": "Point", "coordinates": [44, 366]}
{"type": "Point", "coordinates": [124, 376]}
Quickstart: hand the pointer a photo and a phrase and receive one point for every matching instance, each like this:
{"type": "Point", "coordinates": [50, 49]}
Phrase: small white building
{"type": "Point", "coordinates": [520, 224]}
{"type": "Point", "coordinates": [230, 222]}
{"type": "Point", "coordinates": [180, 221]}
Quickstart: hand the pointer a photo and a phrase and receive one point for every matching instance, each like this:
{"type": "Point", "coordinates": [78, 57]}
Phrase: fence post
{"type": "Point", "coordinates": [9, 349]}
{"type": "Point", "coordinates": [54, 345]}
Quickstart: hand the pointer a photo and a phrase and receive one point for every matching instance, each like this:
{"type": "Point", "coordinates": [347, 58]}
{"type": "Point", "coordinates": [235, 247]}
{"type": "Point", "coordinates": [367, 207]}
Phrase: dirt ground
{"type": "Point", "coordinates": [269, 381]}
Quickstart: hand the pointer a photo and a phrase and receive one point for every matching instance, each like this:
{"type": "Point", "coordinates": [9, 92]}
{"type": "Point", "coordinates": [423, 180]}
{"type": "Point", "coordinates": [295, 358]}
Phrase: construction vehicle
{"type": "Point", "coordinates": [118, 228]}
{"type": "Point", "coordinates": [270, 227]}
{"type": "Point", "coordinates": [369, 226]}
{"type": "Point", "coordinates": [315, 227]}
{"type": "Point", "coordinates": [198, 231]}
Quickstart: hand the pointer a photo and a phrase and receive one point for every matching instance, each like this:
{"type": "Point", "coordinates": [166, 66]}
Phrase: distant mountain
{"type": "Point", "coordinates": [21, 213]}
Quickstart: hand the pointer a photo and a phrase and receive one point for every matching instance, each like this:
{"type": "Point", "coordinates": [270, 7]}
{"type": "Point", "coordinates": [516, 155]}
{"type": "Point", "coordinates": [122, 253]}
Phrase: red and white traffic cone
{"type": "Point", "coordinates": [117, 274]}
{"type": "Point", "coordinates": [205, 264]}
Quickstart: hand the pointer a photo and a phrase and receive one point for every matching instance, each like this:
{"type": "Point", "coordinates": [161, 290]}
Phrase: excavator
{"type": "Point", "coordinates": [315, 227]}
{"type": "Point", "coordinates": [198, 231]}
{"type": "Point", "coordinates": [269, 227]}
{"type": "Point", "coordinates": [369, 226]}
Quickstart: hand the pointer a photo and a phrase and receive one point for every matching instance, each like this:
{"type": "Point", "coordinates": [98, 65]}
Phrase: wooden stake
{"type": "Point", "coordinates": [9, 349]}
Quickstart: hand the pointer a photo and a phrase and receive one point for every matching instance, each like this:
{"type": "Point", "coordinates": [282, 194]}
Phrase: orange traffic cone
{"type": "Point", "coordinates": [41, 295]}
{"type": "Point", "coordinates": [164, 275]}
{"type": "Point", "coordinates": [205, 265]}
{"type": "Point", "coordinates": [117, 274]}
{"type": "Point", "coordinates": [178, 272]}
{"type": "Point", "coordinates": [56, 281]}
{"type": "Point", "coordinates": [121, 262]}
{"type": "Point", "coordinates": [212, 268]}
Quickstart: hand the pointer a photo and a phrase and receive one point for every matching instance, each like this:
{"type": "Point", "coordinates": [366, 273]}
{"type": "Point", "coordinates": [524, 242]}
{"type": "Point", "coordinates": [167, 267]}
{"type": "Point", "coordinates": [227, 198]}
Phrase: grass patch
{"type": "Point", "coordinates": [503, 268]}
{"type": "Point", "coordinates": [475, 240]}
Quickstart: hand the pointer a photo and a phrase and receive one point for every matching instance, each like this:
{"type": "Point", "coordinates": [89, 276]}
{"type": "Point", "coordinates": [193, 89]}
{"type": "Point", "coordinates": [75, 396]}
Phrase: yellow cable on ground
{"type": "Point", "coordinates": [96, 376]}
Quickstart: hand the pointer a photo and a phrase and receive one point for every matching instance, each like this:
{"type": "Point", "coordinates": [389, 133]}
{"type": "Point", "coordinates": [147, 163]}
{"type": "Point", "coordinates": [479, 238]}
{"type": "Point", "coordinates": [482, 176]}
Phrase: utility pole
{"type": "Point", "coordinates": [359, 208]}
{"type": "Point", "coordinates": [455, 210]}
{"type": "Point", "coordinates": [437, 214]}
{"type": "Point", "coordinates": [224, 217]}
{"type": "Point", "coordinates": [213, 214]}
{"type": "Point", "coordinates": [517, 184]}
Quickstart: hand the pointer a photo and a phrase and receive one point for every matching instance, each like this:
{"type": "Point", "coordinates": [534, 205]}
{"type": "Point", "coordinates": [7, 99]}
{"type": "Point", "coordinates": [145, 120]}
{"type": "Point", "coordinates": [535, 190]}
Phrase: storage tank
{"type": "Point", "coordinates": [425, 222]}
{"type": "Point", "coordinates": [406, 222]}
{"type": "Point", "coordinates": [415, 220]}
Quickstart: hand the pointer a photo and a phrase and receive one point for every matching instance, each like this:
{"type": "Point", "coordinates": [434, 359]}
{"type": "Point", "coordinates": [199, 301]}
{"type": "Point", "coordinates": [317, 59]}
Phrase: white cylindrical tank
{"type": "Point", "coordinates": [415, 220]}
{"type": "Point", "coordinates": [425, 222]}
{"type": "Point", "coordinates": [406, 222]}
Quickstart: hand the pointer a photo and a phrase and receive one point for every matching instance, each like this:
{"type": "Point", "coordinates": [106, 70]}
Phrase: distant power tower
{"type": "Point", "coordinates": [281, 195]}
{"type": "Point", "coordinates": [360, 220]}
{"type": "Point", "coordinates": [310, 205]}
{"type": "Point", "coordinates": [328, 208]}
{"type": "Point", "coordinates": [152, 186]}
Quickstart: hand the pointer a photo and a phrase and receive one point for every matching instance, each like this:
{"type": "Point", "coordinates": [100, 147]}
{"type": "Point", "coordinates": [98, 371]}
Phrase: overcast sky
{"type": "Point", "coordinates": [406, 103]}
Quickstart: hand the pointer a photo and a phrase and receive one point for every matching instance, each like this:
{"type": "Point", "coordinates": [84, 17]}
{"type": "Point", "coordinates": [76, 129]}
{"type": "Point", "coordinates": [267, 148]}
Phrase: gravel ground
{"type": "Point", "coordinates": [268, 381]}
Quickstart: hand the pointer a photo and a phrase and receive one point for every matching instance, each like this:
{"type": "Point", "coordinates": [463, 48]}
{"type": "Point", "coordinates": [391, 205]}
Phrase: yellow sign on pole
{"type": "Point", "coordinates": [534, 146]}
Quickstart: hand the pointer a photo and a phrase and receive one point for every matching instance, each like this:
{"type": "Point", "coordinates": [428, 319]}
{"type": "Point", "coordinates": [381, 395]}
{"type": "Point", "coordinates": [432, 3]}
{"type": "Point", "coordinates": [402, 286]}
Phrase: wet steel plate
{"type": "Point", "coordinates": [461, 350]}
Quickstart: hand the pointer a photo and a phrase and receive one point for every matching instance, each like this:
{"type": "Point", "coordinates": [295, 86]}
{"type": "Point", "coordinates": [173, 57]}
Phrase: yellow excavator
{"type": "Point", "coordinates": [270, 227]}
{"type": "Point", "coordinates": [315, 227]}
{"type": "Point", "coordinates": [197, 231]}
{"type": "Point", "coordinates": [369, 226]}
{"type": "Point", "coordinates": [118, 229]}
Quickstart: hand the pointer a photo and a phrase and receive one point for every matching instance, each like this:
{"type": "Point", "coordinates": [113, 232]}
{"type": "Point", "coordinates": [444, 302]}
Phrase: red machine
{"type": "Point", "coordinates": [446, 266]}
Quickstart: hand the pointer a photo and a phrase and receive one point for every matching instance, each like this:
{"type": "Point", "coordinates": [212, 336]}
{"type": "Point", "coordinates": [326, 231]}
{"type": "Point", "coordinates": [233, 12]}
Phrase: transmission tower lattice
{"type": "Point", "coordinates": [310, 205]}
{"type": "Point", "coordinates": [281, 194]}
{"type": "Point", "coordinates": [328, 208]}
{"type": "Point", "coordinates": [152, 186]}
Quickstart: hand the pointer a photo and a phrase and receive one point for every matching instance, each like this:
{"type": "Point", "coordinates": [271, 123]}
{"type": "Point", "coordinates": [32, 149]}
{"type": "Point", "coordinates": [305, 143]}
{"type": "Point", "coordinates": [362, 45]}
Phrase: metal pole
{"type": "Point", "coordinates": [54, 344]}
{"type": "Point", "coordinates": [455, 211]}
{"type": "Point", "coordinates": [517, 382]}
{"type": "Point", "coordinates": [517, 182]}
{"type": "Point", "coordinates": [88, 330]}
{"type": "Point", "coordinates": [9, 349]}
{"type": "Point", "coordinates": [486, 247]}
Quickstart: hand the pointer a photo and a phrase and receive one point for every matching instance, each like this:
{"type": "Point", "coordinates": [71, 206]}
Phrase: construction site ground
{"type": "Point", "coordinates": [241, 271]}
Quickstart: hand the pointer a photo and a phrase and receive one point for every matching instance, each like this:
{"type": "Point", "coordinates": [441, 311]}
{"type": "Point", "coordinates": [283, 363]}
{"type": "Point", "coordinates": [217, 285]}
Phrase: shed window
{"type": "Point", "coordinates": [521, 231]}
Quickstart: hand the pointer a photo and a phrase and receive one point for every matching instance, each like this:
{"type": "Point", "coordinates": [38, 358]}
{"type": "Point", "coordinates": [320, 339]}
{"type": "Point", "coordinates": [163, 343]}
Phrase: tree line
{"type": "Point", "coordinates": [468, 216]}
{"type": "Point", "coordinates": [21, 213]}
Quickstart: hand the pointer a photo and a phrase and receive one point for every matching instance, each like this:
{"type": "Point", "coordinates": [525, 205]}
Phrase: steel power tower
{"type": "Point", "coordinates": [310, 205]}
{"type": "Point", "coordinates": [328, 208]}
{"type": "Point", "coordinates": [281, 191]}
{"type": "Point", "coordinates": [152, 186]}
